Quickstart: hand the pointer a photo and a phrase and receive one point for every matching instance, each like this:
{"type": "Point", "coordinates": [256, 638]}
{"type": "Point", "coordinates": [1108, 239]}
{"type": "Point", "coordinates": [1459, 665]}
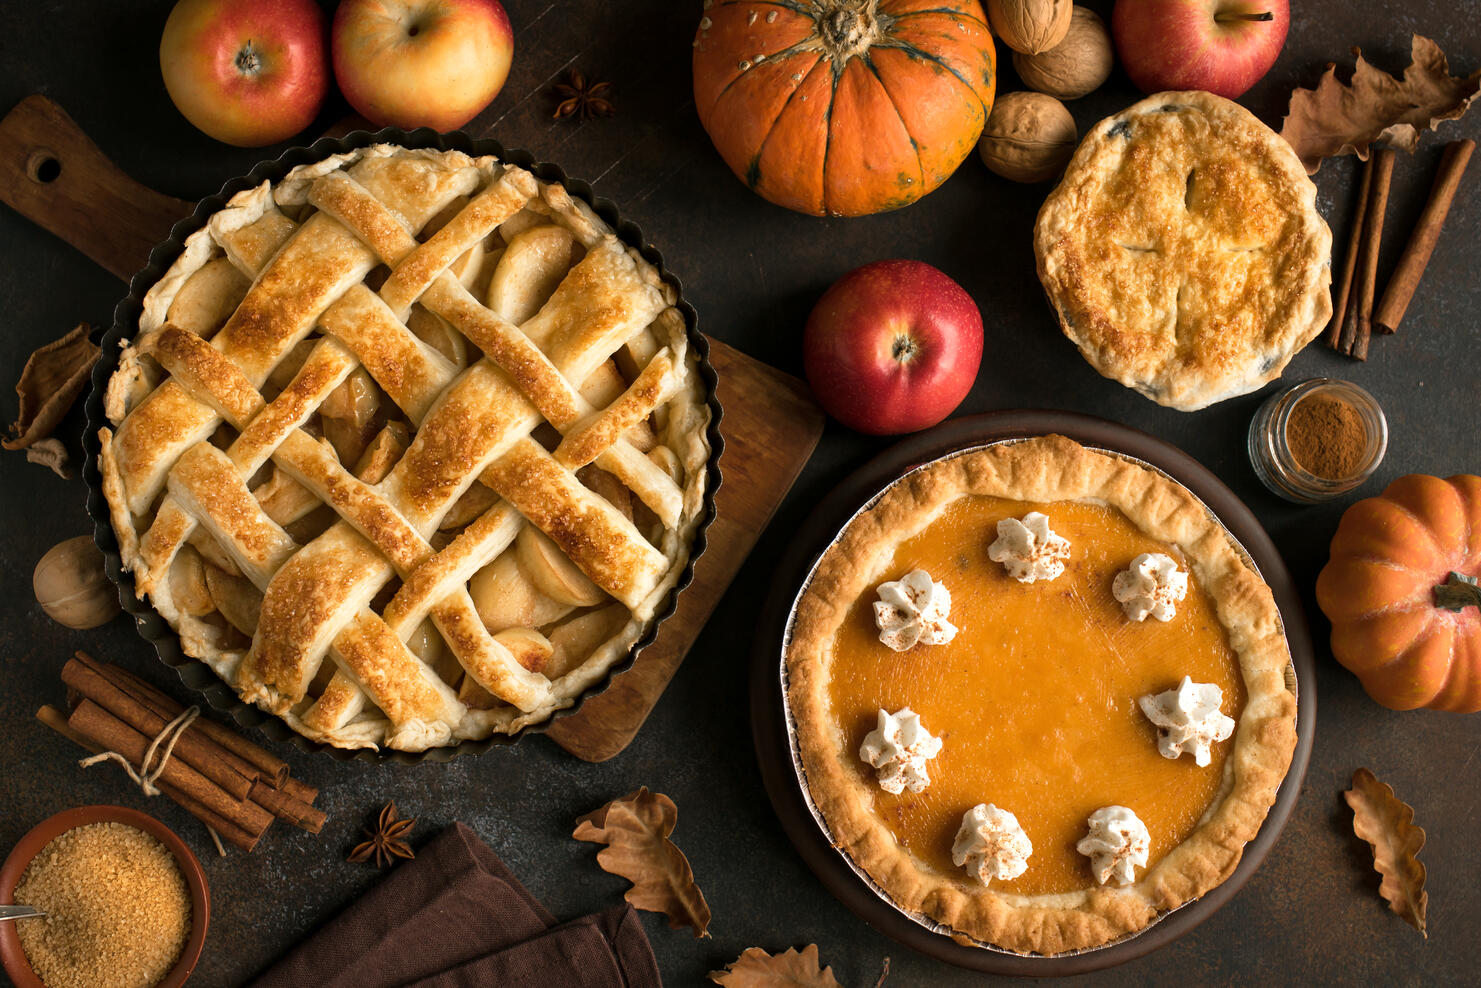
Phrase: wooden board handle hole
{"type": "Point", "coordinates": [43, 167]}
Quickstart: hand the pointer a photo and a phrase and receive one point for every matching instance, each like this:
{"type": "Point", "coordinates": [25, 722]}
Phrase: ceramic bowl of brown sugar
{"type": "Point", "coordinates": [127, 902]}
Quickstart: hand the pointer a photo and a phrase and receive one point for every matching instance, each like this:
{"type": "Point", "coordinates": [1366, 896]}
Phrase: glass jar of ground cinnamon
{"type": "Point", "coordinates": [1317, 440]}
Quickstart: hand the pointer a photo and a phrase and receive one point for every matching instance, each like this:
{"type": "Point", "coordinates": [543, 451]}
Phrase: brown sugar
{"type": "Point", "coordinates": [118, 911]}
{"type": "Point", "coordinates": [1326, 436]}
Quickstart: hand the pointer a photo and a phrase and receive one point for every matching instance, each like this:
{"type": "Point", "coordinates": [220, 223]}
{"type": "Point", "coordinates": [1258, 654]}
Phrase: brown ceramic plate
{"type": "Point", "coordinates": [11, 955]}
{"type": "Point", "coordinates": [783, 776]}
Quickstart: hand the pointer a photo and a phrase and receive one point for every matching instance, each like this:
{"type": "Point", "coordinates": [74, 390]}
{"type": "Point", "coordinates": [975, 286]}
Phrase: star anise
{"type": "Point", "coordinates": [387, 841]}
{"type": "Point", "coordinates": [584, 99]}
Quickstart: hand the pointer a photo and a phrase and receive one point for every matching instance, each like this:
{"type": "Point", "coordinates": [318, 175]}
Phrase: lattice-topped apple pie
{"type": "Point", "coordinates": [409, 447]}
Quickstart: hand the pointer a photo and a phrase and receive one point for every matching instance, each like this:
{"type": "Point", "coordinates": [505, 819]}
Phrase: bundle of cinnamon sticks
{"type": "Point", "coordinates": [221, 778]}
{"type": "Point", "coordinates": [1354, 316]}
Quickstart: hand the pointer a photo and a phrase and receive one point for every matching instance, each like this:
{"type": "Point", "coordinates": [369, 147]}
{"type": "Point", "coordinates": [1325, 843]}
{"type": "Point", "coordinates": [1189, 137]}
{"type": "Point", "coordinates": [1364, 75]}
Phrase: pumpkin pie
{"type": "Point", "coordinates": [1099, 735]}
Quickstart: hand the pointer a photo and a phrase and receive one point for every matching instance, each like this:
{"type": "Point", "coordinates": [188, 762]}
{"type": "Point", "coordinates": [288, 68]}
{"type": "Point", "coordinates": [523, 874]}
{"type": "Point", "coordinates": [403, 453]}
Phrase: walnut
{"type": "Point", "coordinates": [1029, 26]}
{"type": "Point", "coordinates": [71, 586]}
{"type": "Point", "coordinates": [1029, 137]}
{"type": "Point", "coordinates": [1074, 67]}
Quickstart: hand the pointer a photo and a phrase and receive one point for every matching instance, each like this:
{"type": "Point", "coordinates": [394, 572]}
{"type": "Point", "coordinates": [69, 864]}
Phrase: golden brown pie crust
{"type": "Point", "coordinates": [326, 573]}
{"type": "Point", "coordinates": [1046, 469]}
{"type": "Point", "coordinates": [1183, 251]}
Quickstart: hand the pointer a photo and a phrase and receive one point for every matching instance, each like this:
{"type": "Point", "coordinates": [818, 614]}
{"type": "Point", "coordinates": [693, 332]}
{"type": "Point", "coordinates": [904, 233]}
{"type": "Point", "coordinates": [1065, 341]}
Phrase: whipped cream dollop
{"type": "Point", "coordinates": [1117, 844]}
{"type": "Point", "coordinates": [990, 844]}
{"type": "Point", "coordinates": [1188, 719]}
{"type": "Point", "coordinates": [898, 749]}
{"type": "Point", "coordinates": [1153, 585]}
{"type": "Point", "coordinates": [913, 609]}
{"type": "Point", "coordinates": [1027, 548]}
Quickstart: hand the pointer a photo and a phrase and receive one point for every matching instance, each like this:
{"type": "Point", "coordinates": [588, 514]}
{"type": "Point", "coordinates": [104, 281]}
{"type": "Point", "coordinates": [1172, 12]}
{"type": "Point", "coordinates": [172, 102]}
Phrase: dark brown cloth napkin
{"type": "Point", "coordinates": [456, 917]}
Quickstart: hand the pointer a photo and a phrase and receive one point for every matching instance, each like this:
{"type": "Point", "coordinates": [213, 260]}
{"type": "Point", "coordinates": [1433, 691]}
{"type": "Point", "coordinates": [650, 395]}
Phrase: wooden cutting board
{"type": "Point", "coordinates": [54, 175]}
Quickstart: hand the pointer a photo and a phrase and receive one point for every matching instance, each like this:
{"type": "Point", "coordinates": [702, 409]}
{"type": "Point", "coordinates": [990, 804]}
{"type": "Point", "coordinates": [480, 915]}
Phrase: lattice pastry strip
{"type": "Point", "coordinates": [517, 351]}
{"type": "Point", "coordinates": [275, 429]}
{"type": "Point", "coordinates": [304, 455]}
{"type": "Point", "coordinates": [203, 372]}
{"type": "Point", "coordinates": [473, 426]}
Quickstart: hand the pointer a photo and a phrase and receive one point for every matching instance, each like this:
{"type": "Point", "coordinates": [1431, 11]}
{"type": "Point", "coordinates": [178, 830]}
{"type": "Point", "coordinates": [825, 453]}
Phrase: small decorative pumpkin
{"type": "Point", "coordinates": [843, 107]}
{"type": "Point", "coordinates": [1401, 592]}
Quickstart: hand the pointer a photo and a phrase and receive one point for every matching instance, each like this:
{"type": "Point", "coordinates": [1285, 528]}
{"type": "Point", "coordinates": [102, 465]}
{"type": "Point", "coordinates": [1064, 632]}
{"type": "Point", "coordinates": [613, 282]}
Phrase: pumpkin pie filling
{"type": "Point", "coordinates": [1035, 699]}
{"type": "Point", "coordinates": [1033, 690]}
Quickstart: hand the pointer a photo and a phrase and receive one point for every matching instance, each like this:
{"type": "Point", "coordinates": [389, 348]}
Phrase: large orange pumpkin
{"type": "Point", "coordinates": [1400, 590]}
{"type": "Point", "coordinates": [843, 107]}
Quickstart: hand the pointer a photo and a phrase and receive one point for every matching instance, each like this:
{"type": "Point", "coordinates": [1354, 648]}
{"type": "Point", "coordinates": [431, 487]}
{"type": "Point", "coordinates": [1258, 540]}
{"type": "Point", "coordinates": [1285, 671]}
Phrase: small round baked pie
{"type": "Point", "coordinates": [1183, 252]}
{"type": "Point", "coordinates": [408, 447]}
{"type": "Point", "coordinates": [1092, 720]}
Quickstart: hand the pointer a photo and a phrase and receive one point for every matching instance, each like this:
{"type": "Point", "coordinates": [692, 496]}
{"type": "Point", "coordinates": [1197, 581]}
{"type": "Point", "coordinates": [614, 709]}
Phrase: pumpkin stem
{"type": "Point", "coordinates": [847, 28]}
{"type": "Point", "coordinates": [1458, 592]}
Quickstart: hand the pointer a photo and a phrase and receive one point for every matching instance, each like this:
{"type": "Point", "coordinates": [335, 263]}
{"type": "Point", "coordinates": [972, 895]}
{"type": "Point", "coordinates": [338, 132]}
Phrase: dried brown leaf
{"type": "Point", "coordinates": [1376, 108]}
{"type": "Point", "coordinates": [1387, 823]}
{"type": "Point", "coordinates": [50, 382]}
{"type": "Point", "coordinates": [51, 453]}
{"type": "Point", "coordinates": [636, 830]}
{"type": "Point", "coordinates": [755, 968]}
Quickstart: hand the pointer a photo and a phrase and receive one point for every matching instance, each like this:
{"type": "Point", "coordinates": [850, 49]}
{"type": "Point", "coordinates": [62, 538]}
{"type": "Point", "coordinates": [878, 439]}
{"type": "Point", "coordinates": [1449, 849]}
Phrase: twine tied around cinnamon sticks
{"type": "Point", "coordinates": [145, 776]}
{"type": "Point", "coordinates": [1357, 310]}
{"type": "Point", "coordinates": [228, 783]}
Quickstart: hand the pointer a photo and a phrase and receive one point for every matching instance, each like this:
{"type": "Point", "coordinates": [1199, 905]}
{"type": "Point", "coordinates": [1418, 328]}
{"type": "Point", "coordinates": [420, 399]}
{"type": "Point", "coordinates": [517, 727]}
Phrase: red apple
{"type": "Point", "coordinates": [247, 72]}
{"type": "Point", "coordinates": [1222, 46]}
{"type": "Point", "coordinates": [421, 63]}
{"type": "Point", "coordinates": [892, 347]}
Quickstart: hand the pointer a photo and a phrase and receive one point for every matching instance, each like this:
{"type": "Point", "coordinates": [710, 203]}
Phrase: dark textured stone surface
{"type": "Point", "coordinates": [1312, 912]}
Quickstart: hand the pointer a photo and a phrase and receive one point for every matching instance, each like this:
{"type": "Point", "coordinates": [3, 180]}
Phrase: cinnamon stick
{"type": "Point", "coordinates": [167, 708]}
{"type": "Point", "coordinates": [287, 808]}
{"type": "Point", "coordinates": [111, 734]}
{"type": "Point", "coordinates": [1349, 264]}
{"type": "Point", "coordinates": [226, 829]}
{"type": "Point", "coordinates": [87, 679]}
{"type": "Point", "coordinates": [299, 790]}
{"type": "Point", "coordinates": [273, 769]}
{"type": "Point", "coordinates": [289, 802]}
{"type": "Point", "coordinates": [1383, 172]}
{"type": "Point", "coordinates": [1405, 280]}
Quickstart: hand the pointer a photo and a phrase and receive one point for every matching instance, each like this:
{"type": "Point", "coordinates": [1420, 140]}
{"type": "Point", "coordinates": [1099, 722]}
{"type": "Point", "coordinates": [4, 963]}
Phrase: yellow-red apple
{"type": "Point", "coordinates": [892, 347]}
{"type": "Point", "coordinates": [247, 72]}
{"type": "Point", "coordinates": [1222, 46]}
{"type": "Point", "coordinates": [421, 63]}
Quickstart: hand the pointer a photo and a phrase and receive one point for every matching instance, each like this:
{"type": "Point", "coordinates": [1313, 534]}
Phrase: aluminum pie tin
{"type": "Point", "coordinates": [956, 947]}
{"type": "Point", "coordinates": [166, 641]}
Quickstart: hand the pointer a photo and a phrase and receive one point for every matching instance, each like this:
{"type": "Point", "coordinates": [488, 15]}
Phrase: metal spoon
{"type": "Point", "coordinates": [19, 912]}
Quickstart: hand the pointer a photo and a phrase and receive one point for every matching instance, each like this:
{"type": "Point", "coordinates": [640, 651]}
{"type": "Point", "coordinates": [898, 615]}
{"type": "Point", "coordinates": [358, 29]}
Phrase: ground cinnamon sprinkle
{"type": "Point", "coordinates": [1326, 436]}
{"type": "Point", "coordinates": [118, 911]}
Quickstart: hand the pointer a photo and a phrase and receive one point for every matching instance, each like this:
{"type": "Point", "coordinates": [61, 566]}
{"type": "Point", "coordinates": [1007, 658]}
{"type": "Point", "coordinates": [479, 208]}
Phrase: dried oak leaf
{"type": "Point", "coordinates": [51, 453]}
{"type": "Point", "coordinates": [636, 831]}
{"type": "Point", "coordinates": [755, 968]}
{"type": "Point", "coordinates": [50, 382]}
{"type": "Point", "coordinates": [1387, 822]}
{"type": "Point", "coordinates": [1375, 107]}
